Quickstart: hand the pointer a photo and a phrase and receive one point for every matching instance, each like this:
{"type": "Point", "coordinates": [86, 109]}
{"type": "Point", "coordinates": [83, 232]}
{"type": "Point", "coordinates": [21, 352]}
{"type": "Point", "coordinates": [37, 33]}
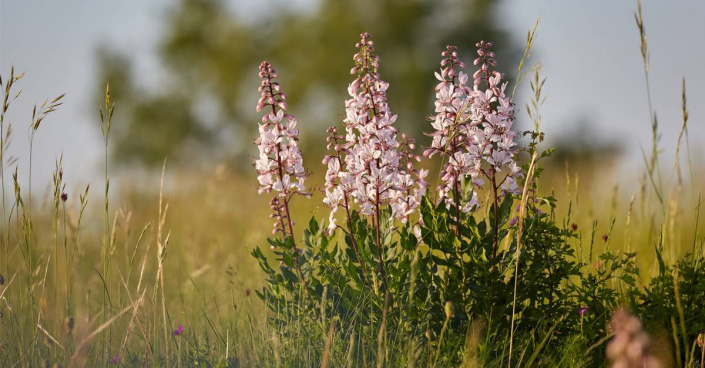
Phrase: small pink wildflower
{"type": "Point", "coordinates": [179, 331]}
{"type": "Point", "coordinates": [114, 360]}
{"type": "Point", "coordinates": [583, 310]}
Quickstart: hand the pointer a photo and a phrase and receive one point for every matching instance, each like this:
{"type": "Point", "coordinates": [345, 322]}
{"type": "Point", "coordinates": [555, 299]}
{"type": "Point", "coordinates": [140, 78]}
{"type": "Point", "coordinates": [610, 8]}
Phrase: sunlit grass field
{"type": "Point", "coordinates": [210, 222]}
{"type": "Point", "coordinates": [157, 271]}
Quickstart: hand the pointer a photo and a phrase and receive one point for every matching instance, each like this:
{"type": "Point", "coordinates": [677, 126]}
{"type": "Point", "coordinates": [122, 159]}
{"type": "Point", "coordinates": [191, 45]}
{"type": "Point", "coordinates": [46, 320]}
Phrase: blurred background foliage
{"type": "Point", "coordinates": [204, 107]}
{"type": "Point", "coordinates": [201, 113]}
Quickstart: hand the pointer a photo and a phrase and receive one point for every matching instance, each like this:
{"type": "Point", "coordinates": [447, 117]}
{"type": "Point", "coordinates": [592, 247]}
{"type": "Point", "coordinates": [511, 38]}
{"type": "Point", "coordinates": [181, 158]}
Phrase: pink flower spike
{"type": "Point", "coordinates": [280, 163]}
{"type": "Point", "coordinates": [473, 129]}
{"type": "Point", "coordinates": [372, 167]}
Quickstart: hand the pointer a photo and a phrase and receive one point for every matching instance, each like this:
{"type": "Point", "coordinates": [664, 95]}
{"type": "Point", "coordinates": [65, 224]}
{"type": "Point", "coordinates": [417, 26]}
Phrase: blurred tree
{"type": "Point", "coordinates": [211, 55]}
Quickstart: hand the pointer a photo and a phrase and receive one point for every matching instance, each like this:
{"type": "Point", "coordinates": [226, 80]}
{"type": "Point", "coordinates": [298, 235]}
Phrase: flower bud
{"type": "Point", "coordinates": [69, 323]}
{"type": "Point", "coordinates": [450, 309]}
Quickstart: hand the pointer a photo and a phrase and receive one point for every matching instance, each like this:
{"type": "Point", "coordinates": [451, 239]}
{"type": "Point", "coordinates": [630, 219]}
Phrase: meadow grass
{"type": "Point", "coordinates": [56, 314]}
{"type": "Point", "coordinates": [160, 274]}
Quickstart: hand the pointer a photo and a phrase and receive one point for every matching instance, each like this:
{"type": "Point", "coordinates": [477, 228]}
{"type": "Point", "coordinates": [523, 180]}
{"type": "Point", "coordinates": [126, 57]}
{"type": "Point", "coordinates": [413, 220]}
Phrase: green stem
{"type": "Point", "coordinates": [6, 237]}
{"type": "Point", "coordinates": [379, 241]}
{"type": "Point", "coordinates": [440, 341]}
{"type": "Point", "coordinates": [495, 207]}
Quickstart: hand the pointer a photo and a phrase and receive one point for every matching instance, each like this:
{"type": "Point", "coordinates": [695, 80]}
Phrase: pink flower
{"type": "Point", "coordinates": [493, 114]}
{"type": "Point", "coordinates": [369, 166]}
{"type": "Point", "coordinates": [583, 310]}
{"type": "Point", "coordinates": [473, 128]}
{"type": "Point", "coordinates": [179, 331]}
{"type": "Point", "coordinates": [280, 164]}
{"type": "Point", "coordinates": [451, 123]}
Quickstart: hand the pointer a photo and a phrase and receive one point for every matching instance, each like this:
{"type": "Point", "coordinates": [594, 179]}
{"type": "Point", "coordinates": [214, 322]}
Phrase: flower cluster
{"type": "Point", "coordinates": [367, 166]}
{"type": "Point", "coordinates": [629, 347]}
{"type": "Point", "coordinates": [492, 116]}
{"type": "Point", "coordinates": [280, 164]}
{"type": "Point", "coordinates": [452, 125]}
{"type": "Point", "coordinates": [339, 183]}
{"type": "Point", "coordinates": [413, 179]}
{"type": "Point", "coordinates": [473, 128]}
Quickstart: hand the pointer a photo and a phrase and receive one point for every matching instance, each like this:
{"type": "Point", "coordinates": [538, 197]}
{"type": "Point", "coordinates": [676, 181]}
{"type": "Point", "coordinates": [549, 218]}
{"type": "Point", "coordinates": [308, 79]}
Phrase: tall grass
{"type": "Point", "coordinates": [58, 308]}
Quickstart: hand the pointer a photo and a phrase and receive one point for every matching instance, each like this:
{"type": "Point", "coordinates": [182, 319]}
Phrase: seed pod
{"type": "Point", "coordinates": [69, 323]}
{"type": "Point", "coordinates": [450, 309]}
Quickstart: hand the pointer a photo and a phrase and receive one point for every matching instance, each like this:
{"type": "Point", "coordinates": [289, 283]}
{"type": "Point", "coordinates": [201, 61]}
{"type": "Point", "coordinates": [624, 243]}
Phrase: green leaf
{"type": "Point", "coordinates": [289, 276]}
{"type": "Point", "coordinates": [659, 257]}
{"type": "Point", "coordinates": [505, 209]}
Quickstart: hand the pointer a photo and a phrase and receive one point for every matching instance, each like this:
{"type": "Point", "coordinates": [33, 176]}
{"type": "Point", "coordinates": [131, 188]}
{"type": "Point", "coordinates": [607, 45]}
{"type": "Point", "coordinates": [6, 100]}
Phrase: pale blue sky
{"type": "Point", "coordinates": [589, 51]}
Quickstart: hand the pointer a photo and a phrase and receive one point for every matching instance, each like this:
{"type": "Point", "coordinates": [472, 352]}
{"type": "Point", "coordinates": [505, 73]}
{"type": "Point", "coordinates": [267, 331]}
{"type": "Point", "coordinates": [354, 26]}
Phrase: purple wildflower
{"type": "Point", "coordinates": [114, 360]}
{"type": "Point", "coordinates": [583, 310]}
{"type": "Point", "coordinates": [179, 330]}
